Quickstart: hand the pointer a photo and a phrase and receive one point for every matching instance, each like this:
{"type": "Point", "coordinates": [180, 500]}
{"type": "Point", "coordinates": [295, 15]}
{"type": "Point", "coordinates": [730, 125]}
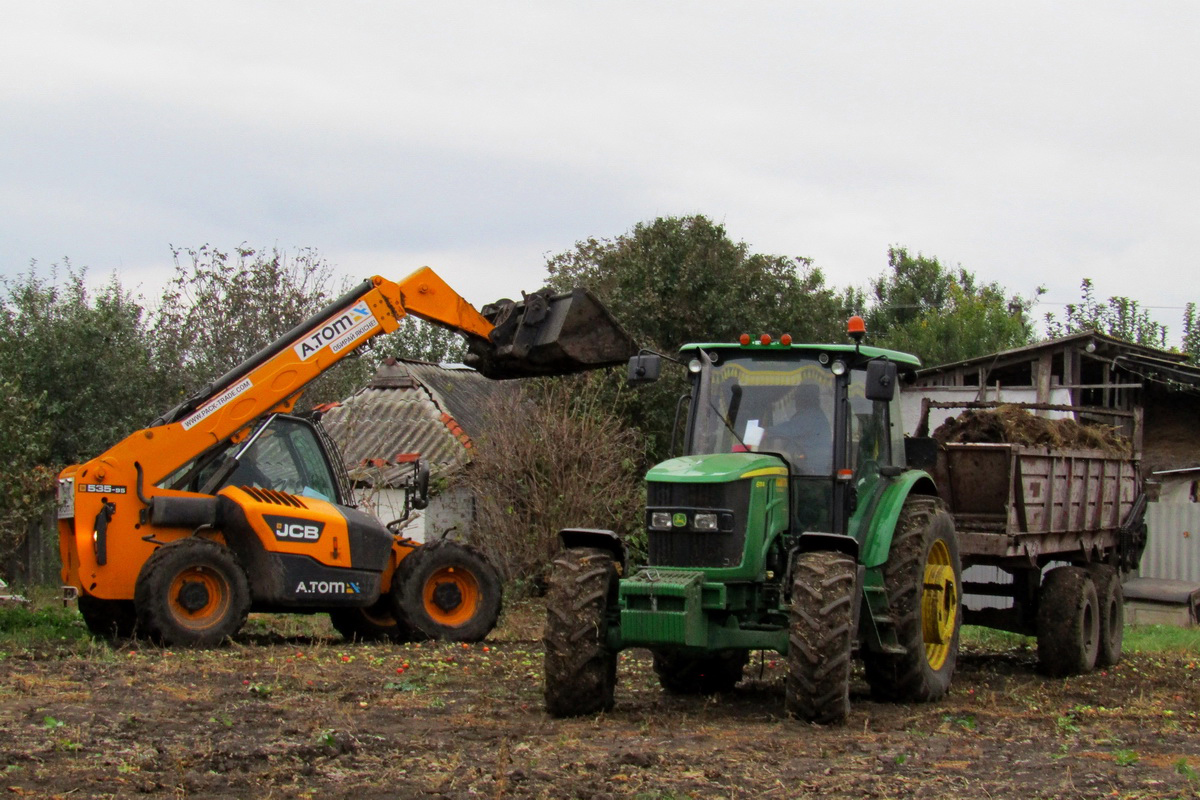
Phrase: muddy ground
{"type": "Point", "coordinates": [281, 714]}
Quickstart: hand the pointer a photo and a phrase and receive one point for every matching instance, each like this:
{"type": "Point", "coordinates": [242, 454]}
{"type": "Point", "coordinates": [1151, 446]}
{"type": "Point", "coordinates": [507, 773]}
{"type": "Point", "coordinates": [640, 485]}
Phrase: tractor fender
{"type": "Point", "coordinates": [877, 541]}
{"type": "Point", "coordinates": [594, 537]}
{"type": "Point", "coordinates": [810, 542]}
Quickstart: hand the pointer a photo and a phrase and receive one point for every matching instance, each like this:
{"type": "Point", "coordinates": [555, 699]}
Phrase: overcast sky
{"type": "Point", "coordinates": [1034, 143]}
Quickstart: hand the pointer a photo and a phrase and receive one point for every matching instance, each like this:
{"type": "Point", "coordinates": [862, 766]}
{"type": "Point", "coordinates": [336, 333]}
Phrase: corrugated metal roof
{"type": "Point", "coordinates": [411, 407]}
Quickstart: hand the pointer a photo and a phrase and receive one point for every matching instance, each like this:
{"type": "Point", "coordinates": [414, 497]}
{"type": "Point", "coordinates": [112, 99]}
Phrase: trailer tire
{"type": "Point", "coordinates": [580, 668]}
{"type": "Point", "coordinates": [681, 673]}
{"type": "Point", "coordinates": [821, 637]}
{"type": "Point", "coordinates": [1111, 600]}
{"type": "Point", "coordinates": [192, 593]}
{"type": "Point", "coordinates": [1068, 622]}
{"type": "Point", "coordinates": [923, 576]}
{"type": "Point", "coordinates": [374, 623]}
{"type": "Point", "coordinates": [448, 591]}
{"type": "Point", "coordinates": [114, 620]}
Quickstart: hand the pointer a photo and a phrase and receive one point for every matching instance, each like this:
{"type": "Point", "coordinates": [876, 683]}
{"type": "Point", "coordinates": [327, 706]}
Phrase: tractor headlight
{"type": "Point", "coordinates": [705, 522]}
{"type": "Point", "coordinates": [660, 520]}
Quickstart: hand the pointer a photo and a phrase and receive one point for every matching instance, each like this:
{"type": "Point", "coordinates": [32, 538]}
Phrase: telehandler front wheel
{"type": "Point", "coordinates": [923, 577]}
{"type": "Point", "coordinates": [191, 593]}
{"type": "Point", "coordinates": [375, 623]}
{"type": "Point", "coordinates": [821, 637]}
{"type": "Point", "coordinates": [580, 668]}
{"type": "Point", "coordinates": [447, 591]}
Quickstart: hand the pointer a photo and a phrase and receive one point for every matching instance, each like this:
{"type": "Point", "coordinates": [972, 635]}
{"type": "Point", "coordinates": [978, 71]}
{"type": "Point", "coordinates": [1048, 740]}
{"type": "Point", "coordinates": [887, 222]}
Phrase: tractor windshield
{"type": "Point", "coordinates": [781, 404]}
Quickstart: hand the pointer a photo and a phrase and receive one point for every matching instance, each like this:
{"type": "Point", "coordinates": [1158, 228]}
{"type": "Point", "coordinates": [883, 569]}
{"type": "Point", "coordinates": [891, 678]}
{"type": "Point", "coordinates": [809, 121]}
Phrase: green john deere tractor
{"type": "Point", "coordinates": [792, 524]}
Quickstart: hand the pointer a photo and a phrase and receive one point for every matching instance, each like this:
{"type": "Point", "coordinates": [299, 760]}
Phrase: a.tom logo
{"type": "Point", "coordinates": [290, 529]}
{"type": "Point", "coordinates": [338, 332]}
{"type": "Point", "coordinates": [327, 587]}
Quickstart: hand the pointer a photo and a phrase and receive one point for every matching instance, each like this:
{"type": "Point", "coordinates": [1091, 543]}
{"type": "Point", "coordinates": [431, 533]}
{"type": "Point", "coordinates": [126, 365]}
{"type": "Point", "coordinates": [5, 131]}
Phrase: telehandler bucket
{"type": "Point", "coordinates": [549, 334]}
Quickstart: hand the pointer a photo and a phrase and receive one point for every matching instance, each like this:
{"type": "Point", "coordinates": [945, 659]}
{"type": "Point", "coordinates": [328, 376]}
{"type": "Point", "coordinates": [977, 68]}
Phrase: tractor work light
{"type": "Point", "coordinates": [838, 367]}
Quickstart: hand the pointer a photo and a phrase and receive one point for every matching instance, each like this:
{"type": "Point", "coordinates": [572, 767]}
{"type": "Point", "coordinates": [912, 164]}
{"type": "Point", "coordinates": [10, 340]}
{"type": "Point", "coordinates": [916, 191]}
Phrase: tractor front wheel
{"type": "Point", "coordinates": [680, 673]}
{"type": "Point", "coordinates": [580, 668]}
{"type": "Point", "coordinates": [821, 637]}
{"type": "Point", "coordinates": [192, 593]}
{"type": "Point", "coordinates": [447, 591]}
{"type": "Point", "coordinates": [923, 577]}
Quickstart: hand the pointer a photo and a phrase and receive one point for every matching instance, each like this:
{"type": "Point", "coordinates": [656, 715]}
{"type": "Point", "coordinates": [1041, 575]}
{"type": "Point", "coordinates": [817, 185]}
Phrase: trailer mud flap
{"type": "Point", "coordinates": [549, 334]}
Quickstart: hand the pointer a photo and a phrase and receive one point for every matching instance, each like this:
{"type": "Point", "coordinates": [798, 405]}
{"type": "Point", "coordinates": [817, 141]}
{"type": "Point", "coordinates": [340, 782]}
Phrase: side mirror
{"type": "Point", "coordinates": [420, 489]}
{"type": "Point", "coordinates": [644, 368]}
{"type": "Point", "coordinates": [881, 380]}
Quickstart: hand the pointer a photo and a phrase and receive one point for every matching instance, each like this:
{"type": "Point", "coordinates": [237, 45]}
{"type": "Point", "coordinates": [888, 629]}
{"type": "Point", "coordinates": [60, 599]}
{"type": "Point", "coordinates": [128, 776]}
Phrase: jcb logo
{"type": "Point", "coordinates": [290, 529]}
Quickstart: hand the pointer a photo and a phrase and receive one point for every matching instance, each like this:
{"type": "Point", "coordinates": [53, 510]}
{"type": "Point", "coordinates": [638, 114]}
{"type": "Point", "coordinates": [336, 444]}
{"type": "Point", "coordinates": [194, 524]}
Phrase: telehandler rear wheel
{"type": "Point", "coordinates": [821, 638]}
{"type": "Point", "coordinates": [108, 619]}
{"type": "Point", "coordinates": [1111, 600]}
{"type": "Point", "coordinates": [581, 670]}
{"type": "Point", "coordinates": [192, 593]}
{"type": "Point", "coordinates": [923, 576]}
{"type": "Point", "coordinates": [1068, 622]}
{"type": "Point", "coordinates": [680, 673]}
{"type": "Point", "coordinates": [447, 591]}
{"type": "Point", "coordinates": [376, 623]}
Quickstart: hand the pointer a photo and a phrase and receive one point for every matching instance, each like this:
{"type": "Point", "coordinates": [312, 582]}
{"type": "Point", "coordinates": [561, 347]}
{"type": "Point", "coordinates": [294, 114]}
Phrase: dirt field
{"type": "Point", "coordinates": [276, 716]}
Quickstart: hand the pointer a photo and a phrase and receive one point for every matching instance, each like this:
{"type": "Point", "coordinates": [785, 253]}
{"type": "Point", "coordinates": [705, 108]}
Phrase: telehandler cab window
{"type": "Point", "coordinates": [285, 456]}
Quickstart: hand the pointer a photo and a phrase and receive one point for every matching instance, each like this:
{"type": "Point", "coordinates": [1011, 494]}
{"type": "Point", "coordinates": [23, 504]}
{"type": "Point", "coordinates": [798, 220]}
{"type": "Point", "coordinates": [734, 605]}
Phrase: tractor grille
{"type": "Point", "coordinates": [683, 547]}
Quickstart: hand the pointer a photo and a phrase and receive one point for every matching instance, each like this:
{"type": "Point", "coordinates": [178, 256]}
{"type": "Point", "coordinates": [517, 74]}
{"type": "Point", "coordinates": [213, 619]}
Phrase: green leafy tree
{"type": "Point", "coordinates": [423, 341]}
{"type": "Point", "coordinates": [683, 279]}
{"type": "Point", "coordinates": [87, 358]}
{"type": "Point", "coordinates": [26, 481]}
{"type": "Point", "coordinates": [1118, 316]}
{"type": "Point", "coordinates": [1191, 333]}
{"type": "Point", "coordinates": [221, 308]}
{"type": "Point", "coordinates": [943, 314]}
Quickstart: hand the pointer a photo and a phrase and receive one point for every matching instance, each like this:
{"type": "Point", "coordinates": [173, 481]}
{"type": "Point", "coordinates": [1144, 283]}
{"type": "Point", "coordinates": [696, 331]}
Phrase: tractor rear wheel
{"type": "Point", "coordinates": [1068, 622]}
{"type": "Point", "coordinates": [192, 593]}
{"type": "Point", "coordinates": [108, 619]}
{"type": "Point", "coordinates": [680, 673]}
{"type": "Point", "coordinates": [923, 576]}
{"type": "Point", "coordinates": [1111, 599]}
{"type": "Point", "coordinates": [821, 637]}
{"type": "Point", "coordinates": [580, 669]}
{"type": "Point", "coordinates": [447, 591]}
{"type": "Point", "coordinates": [375, 623]}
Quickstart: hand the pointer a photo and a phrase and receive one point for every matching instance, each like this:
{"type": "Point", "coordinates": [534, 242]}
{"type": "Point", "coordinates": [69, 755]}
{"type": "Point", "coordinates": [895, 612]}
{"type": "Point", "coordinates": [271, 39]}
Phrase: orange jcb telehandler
{"type": "Point", "coordinates": [228, 503]}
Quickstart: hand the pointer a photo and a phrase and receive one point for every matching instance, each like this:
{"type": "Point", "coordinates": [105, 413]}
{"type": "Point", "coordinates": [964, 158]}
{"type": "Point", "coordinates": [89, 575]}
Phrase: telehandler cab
{"type": "Point", "coordinates": [227, 503]}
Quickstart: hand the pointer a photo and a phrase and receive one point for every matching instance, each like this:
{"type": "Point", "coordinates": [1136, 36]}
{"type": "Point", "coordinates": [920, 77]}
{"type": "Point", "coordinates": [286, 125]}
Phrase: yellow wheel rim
{"type": "Point", "coordinates": [451, 596]}
{"type": "Point", "coordinates": [199, 598]}
{"type": "Point", "coordinates": [939, 605]}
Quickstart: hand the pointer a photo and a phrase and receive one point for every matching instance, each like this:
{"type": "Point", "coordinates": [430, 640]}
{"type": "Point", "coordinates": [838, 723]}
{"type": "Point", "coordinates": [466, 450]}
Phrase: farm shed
{"type": "Point", "coordinates": [1152, 395]}
{"type": "Point", "coordinates": [410, 409]}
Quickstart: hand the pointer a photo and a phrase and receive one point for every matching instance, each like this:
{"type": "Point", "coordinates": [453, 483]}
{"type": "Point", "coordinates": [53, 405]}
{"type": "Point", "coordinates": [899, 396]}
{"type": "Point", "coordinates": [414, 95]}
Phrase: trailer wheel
{"type": "Point", "coordinates": [447, 591]}
{"type": "Point", "coordinates": [821, 637]}
{"type": "Point", "coordinates": [1111, 600]}
{"type": "Point", "coordinates": [580, 669]}
{"type": "Point", "coordinates": [680, 673]}
{"type": "Point", "coordinates": [192, 593]}
{"type": "Point", "coordinates": [923, 576]}
{"type": "Point", "coordinates": [375, 623]}
{"type": "Point", "coordinates": [1068, 622]}
{"type": "Point", "coordinates": [108, 619]}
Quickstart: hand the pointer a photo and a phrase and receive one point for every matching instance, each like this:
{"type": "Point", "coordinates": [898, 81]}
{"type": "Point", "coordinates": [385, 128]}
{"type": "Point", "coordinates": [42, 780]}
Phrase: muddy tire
{"type": "Point", "coordinates": [108, 619]}
{"type": "Point", "coordinates": [580, 669]}
{"type": "Point", "coordinates": [191, 593]}
{"type": "Point", "coordinates": [375, 623]}
{"type": "Point", "coordinates": [1068, 622]}
{"type": "Point", "coordinates": [1111, 600]}
{"type": "Point", "coordinates": [923, 577]}
{"type": "Point", "coordinates": [446, 590]}
{"type": "Point", "coordinates": [821, 638]}
{"type": "Point", "coordinates": [679, 673]}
